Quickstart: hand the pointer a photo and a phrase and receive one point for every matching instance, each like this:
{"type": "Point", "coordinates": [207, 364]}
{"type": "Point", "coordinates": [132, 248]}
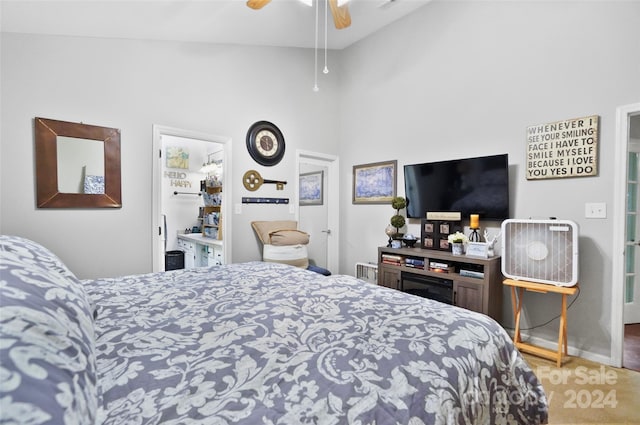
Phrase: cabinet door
{"type": "Point", "coordinates": [469, 296]}
{"type": "Point", "coordinates": [215, 256]}
{"type": "Point", "coordinates": [202, 255]}
{"type": "Point", "coordinates": [189, 256]}
{"type": "Point", "coordinates": [389, 277]}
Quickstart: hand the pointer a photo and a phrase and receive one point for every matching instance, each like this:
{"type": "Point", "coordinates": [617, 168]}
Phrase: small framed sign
{"type": "Point", "coordinates": [562, 149]}
{"type": "Point", "coordinates": [478, 249]}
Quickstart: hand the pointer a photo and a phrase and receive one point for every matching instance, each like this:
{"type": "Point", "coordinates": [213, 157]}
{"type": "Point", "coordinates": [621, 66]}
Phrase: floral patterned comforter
{"type": "Point", "coordinates": [265, 343]}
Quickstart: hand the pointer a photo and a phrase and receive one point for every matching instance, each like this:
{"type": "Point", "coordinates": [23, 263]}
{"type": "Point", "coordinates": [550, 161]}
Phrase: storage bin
{"type": "Point", "coordinates": [173, 260]}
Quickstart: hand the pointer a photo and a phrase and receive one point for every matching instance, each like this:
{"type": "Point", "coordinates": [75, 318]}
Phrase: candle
{"type": "Point", "coordinates": [475, 221]}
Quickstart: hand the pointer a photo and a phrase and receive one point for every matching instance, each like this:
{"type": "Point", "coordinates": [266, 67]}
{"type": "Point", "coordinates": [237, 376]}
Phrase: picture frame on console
{"type": "Point", "coordinates": [434, 233]}
{"type": "Point", "coordinates": [478, 249]}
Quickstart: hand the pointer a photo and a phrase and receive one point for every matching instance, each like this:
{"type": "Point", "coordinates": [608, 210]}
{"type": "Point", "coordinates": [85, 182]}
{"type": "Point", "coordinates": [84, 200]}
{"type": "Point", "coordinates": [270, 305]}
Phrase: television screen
{"type": "Point", "coordinates": [471, 186]}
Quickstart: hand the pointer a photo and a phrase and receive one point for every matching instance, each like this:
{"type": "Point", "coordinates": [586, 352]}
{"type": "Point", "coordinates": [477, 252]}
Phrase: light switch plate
{"type": "Point", "coordinates": [595, 210]}
{"type": "Point", "coordinates": [238, 208]}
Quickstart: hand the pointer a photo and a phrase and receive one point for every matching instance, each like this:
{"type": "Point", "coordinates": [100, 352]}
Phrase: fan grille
{"type": "Point", "coordinates": [543, 251]}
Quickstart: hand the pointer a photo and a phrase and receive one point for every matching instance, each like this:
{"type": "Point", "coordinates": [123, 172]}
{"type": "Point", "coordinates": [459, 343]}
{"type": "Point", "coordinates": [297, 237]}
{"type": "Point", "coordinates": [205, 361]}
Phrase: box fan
{"type": "Point", "coordinates": [543, 251]}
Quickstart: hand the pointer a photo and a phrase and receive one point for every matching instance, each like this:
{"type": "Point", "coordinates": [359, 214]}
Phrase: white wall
{"type": "Point", "coordinates": [132, 85]}
{"type": "Point", "coordinates": [461, 79]}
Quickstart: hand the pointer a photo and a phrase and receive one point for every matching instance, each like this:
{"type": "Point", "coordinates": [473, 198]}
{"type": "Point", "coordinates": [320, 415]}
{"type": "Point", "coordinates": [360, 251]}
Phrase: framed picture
{"type": "Point", "coordinates": [374, 183]}
{"type": "Point", "coordinates": [478, 249]}
{"type": "Point", "coordinates": [177, 157]}
{"type": "Point", "coordinates": [435, 233]}
{"type": "Point", "coordinates": [311, 188]}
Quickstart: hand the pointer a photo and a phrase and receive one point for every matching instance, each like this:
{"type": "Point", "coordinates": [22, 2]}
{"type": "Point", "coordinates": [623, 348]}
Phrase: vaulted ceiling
{"type": "Point", "coordinates": [287, 23]}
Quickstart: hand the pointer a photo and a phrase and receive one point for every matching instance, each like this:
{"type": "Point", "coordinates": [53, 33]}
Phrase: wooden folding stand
{"type": "Point", "coordinates": [516, 301]}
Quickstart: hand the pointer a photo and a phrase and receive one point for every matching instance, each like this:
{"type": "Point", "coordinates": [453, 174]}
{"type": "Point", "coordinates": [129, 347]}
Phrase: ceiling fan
{"type": "Point", "coordinates": [339, 10]}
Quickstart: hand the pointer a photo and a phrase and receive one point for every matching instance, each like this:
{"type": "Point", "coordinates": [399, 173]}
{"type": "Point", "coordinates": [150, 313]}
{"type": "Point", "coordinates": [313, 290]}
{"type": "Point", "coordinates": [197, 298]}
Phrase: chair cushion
{"type": "Point", "coordinates": [288, 237]}
{"type": "Point", "coordinates": [263, 228]}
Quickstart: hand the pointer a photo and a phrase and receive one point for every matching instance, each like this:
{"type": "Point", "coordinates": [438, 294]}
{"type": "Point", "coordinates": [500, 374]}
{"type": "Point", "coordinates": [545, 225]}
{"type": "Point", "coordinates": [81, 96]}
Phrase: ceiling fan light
{"type": "Point", "coordinates": [343, 2]}
{"type": "Point", "coordinates": [307, 2]}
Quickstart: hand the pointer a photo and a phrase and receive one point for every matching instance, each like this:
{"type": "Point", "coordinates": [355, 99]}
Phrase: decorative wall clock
{"type": "Point", "coordinates": [265, 143]}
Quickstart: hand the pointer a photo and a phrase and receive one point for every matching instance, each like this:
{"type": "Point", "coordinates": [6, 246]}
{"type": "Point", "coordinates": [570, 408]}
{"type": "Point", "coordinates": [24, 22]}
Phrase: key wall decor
{"type": "Point", "coordinates": [252, 180]}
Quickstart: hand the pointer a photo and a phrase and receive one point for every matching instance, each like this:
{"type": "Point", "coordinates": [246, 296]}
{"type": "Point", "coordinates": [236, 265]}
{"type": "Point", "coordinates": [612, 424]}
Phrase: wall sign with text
{"type": "Point", "coordinates": [563, 149]}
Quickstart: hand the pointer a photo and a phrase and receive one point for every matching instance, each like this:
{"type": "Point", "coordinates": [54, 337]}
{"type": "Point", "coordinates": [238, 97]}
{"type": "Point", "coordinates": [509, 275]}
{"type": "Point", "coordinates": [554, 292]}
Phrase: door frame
{"type": "Point", "coordinates": [156, 207]}
{"type": "Point", "coordinates": [332, 163]}
{"type": "Point", "coordinates": [623, 114]}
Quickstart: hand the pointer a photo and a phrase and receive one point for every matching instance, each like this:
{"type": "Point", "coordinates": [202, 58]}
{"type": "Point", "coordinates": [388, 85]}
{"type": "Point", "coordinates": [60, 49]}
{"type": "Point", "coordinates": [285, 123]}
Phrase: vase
{"type": "Point", "coordinates": [457, 248]}
{"type": "Point", "coordinates": [390, 231]}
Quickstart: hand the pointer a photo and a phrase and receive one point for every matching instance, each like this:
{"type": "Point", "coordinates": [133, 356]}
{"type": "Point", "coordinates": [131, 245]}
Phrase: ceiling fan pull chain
{"type": "Point", "coordinates": [315, 67]}
{"type": "Point", "coordinates": [326, 19]}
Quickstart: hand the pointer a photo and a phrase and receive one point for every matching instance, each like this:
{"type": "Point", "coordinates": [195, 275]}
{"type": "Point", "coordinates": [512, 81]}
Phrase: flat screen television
{"type": "Point", "coordinates": [470, 185]}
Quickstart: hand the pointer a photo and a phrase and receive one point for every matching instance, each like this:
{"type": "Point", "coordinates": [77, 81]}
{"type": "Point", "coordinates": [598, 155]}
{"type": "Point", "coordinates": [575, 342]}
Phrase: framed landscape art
{"type": "Point", "coordinates": [311, 188]}
{"type": "Point", "coordinates": [374, 183]}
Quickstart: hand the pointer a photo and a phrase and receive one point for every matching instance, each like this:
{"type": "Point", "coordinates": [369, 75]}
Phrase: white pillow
{"type": "Point", "coordinates": [295, 255]}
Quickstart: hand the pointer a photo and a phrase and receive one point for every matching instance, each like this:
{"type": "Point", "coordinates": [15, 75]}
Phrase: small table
{"type": "Point", "coordinates": [516, 301]}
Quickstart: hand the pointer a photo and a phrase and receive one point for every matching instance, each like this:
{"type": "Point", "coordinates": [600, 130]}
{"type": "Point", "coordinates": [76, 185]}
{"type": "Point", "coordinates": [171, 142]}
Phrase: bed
{"type": "Point", "coordinates": [251, 343]}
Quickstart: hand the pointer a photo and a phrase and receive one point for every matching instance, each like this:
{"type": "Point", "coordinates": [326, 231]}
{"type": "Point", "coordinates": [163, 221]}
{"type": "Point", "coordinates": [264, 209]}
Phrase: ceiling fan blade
{"type": "Point", "coordinates": [341, 16]}
{"type": "Point", "coordinates": [257, 4]}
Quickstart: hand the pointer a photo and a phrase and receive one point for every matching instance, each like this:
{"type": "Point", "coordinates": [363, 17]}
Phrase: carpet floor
{"type": "Point", "coordinates": [585, 392]}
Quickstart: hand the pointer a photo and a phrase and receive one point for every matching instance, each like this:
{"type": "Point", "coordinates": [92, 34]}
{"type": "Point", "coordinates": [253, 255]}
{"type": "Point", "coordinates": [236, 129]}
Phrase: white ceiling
{"type": "Point", "coordinates": [280, 23]}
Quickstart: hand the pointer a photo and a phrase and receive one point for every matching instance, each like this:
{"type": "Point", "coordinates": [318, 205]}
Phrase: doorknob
{"type": "Point", "coordinates": [328, 231]}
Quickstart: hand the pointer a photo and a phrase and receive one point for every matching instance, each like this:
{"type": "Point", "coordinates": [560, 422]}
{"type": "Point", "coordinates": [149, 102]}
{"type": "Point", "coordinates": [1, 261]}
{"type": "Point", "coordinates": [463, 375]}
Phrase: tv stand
{"type": "Point", "coordinates": [476, 282]}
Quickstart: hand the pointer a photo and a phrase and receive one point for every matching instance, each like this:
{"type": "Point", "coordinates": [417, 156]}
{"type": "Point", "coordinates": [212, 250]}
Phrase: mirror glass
{"type": "Point", "coordinates": [77, 165]}
{"type": "Point", "coordinates": [80, 165]}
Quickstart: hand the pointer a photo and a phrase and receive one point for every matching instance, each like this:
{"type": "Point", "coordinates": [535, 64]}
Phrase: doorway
{"type": "Point", "coordinates": [320, 219]}
{"type": "Point", "coordinates": [625, 339]}
{"type": "Point", "coordinates": [178, 156]}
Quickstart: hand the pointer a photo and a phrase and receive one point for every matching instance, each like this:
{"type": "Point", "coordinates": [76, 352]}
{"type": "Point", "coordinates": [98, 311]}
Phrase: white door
{"type": "Point", "coordinates": [626, 228]}
{"type": "Point", "coordinates": [314, 211]}
{"type": "Point", "coordinates": [320, 219]}
{"type": "Point", "coordinates": [632, 233]}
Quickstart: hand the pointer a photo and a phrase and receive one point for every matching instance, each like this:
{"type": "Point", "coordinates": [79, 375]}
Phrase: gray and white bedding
{"type": "Point", "coordinates": [252, 343]}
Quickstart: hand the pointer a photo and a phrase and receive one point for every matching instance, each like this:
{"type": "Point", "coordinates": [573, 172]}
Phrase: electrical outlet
{"type": "Point", "coordinates": [595, 210]}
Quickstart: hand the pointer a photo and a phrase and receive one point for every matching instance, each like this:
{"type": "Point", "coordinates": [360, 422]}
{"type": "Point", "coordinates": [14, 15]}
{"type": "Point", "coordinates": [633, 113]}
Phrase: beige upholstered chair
{"type": "Point", "coordinates": [282, 242]}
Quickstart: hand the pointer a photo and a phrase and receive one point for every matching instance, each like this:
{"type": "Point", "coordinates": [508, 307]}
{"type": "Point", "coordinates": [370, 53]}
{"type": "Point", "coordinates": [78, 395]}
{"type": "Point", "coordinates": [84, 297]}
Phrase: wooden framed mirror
{"type": "Point", "coordinates": [77, 165]}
